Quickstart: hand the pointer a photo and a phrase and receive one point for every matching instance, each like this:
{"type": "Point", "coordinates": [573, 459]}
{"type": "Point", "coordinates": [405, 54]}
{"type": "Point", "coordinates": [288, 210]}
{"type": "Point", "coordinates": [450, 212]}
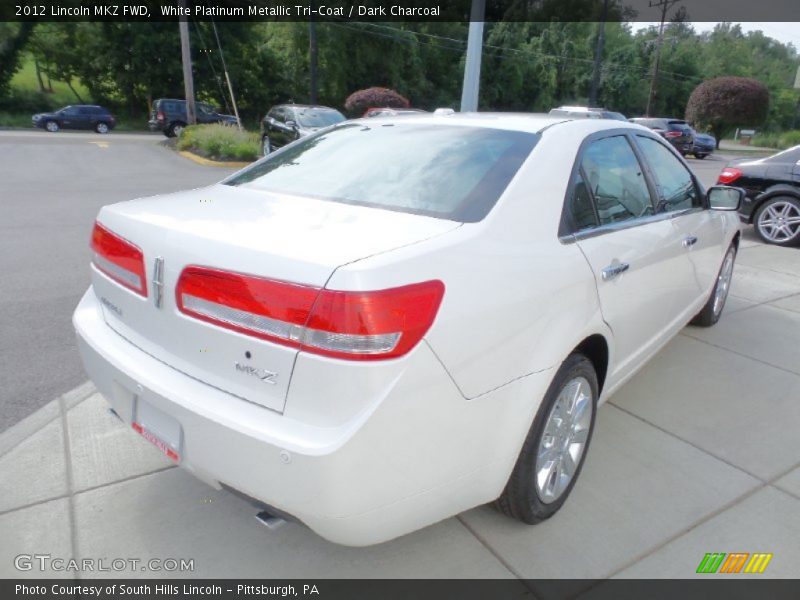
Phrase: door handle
{"type": "Point", "coordinates": [690, 241]}
{"type": "Point", "coordinates": [612, 271]}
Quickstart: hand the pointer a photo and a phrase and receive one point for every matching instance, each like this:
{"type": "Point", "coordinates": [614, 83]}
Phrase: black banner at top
{"type": "Point", "coordinates": [397, 10]}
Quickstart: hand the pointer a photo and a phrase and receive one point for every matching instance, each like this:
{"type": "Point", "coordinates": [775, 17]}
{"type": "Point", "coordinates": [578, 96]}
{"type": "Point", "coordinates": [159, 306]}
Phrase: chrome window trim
{"type": "Point", "coordinates": [622, 225]}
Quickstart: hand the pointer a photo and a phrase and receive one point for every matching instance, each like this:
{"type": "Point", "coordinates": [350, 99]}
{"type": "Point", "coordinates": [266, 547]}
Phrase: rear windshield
{"type": "Point", "coordinates": [451, 172]}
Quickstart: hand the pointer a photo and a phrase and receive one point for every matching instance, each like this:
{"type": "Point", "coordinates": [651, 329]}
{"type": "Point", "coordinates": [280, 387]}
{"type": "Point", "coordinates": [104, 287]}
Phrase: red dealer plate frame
{"type": "Point", "coordinates": [151, 437]}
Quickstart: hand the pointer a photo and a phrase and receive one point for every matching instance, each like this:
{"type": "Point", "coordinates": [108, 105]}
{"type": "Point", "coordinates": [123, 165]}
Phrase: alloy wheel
{"type": "Point", "coordinates": [564, 439]}
{"type": "Point", "coordinates": [779, 222]}
{"type": "Point", "coordinates": [724, 282]}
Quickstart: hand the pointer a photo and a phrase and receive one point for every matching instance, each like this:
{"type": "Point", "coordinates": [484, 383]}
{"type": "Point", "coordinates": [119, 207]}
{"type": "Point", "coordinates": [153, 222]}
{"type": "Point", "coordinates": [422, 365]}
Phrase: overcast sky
{"type": "Point", "coordinates": [783, 32]}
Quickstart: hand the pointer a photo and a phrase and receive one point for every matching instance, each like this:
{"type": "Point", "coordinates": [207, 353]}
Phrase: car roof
{"type": "Point", "coordinates": [314, 106]}
{"type": "Point", "coordinates": [525, 122]}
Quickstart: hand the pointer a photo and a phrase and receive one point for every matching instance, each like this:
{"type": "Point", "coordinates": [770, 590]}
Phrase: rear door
{"type": "Point", "coordinates": [635, 254]}
{"type": "Point", "coordinates": [700, 231]}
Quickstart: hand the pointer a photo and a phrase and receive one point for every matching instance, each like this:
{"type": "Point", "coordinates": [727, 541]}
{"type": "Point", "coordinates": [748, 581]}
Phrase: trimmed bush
{"type": "Point", "coordinates": [358, 102]}
{"type": "Point", "coordinates": [220, 142]}
{"type": "Point", "coordinates": [722, 103]}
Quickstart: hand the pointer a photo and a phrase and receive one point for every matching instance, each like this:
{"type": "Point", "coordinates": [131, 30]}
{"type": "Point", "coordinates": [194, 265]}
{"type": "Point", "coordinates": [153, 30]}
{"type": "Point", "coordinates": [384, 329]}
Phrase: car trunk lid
{"type": "Point", "coordinates": [287, 238]}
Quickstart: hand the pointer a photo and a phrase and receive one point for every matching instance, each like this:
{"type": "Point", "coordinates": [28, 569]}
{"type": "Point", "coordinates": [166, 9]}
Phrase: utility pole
{"type": "Point", "coordinates": [665, 5]}
{"type": "Point", "coordinates": [598, 55]}
{"type": "Point", "coordinates": [472, 67]}
{"type": "Point", "coordinates": [312, 53]}
{"type": "Point", "coordinates": [186, 57]}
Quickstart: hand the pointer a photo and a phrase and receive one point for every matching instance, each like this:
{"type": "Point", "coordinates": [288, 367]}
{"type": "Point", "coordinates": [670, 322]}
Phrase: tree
{"type": "Point", "coordinates": [360, 101]}
{"type": "Point", "coordinates": [726, 102]}
{"type": "Point", "coordinates": [12, 40]}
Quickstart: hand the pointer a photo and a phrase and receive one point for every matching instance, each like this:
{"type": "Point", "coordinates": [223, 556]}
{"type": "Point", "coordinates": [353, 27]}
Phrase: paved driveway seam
{"type": "Point", "coordinates": [758, 360]}
{"type": "Point", "coordinates": [73, 538]}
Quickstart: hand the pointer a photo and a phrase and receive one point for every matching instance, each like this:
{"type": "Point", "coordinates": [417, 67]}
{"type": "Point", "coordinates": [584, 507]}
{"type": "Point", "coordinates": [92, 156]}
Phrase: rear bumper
{"type": "Point", "coordinates": [417, 453]}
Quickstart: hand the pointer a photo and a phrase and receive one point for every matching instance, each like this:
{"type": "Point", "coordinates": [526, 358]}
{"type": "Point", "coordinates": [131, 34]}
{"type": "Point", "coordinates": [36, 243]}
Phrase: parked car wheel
{"type": "Point", "coordinates": [266, 147]}
{"type": "Point", "coordinates": [777, 221]}
{"type": "Point", "coordinates": [700, 156]}
{"type": "Point", "coordinates": [712, 310]}
{"type": "Point", "coordinates": [51, 126]}
{"type": "Point", "coordinates": [101, 127]}
{"type": "Point", "coordinates": [175, 129]}
{"type": "Point", "coordinates": [555, 448]}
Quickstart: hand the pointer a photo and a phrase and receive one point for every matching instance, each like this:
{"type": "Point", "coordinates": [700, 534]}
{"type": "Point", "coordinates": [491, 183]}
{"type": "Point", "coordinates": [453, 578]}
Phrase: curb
{"type": "Point", "coordinates": [19, 432]}
{"type": "Point", "coordinates": [212, 163]}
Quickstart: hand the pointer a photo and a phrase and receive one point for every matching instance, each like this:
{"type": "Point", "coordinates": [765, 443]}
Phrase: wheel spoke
{"type": "Point", "coordinates": [579, 436]}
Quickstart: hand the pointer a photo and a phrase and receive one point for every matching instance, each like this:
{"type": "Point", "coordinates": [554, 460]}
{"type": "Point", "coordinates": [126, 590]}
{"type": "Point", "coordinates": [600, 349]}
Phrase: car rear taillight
{"type": "Point", "coordinates": [118, 258]}
{"type": "Point", "coordinates": [160, 116]}
{"type": "Point", "coordinates": [672, 134]}
{"type": "Point", "coordinates": [728, 175]}
{"type": "Point", "coordinates": [353, 325]}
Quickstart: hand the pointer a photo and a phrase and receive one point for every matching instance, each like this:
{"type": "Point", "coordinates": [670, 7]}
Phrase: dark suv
{"type": "Point", "coordinates": [287, 122]}
{"type": "Point", "coordinates": [676, 131]}
{"type": "Point", "coordinates": [77, 116]}
{"type": "Point", "coordinates": [169, 116]}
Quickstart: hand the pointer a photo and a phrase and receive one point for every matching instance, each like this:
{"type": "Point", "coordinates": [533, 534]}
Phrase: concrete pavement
{"type": "Point", "coordinates": [698, 453]}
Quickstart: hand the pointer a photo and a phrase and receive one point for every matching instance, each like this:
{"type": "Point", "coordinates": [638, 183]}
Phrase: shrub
{"type": "Point", "coordinates": [358, 102]}
{"type": "Point", "coordinates": [220, 142]}
{"type": "Point", "coordinates": [28, 101]}
{"type": "Point", "coordinates": [781, 141]}
{"type": "Point", "coordinates": [723, 103]}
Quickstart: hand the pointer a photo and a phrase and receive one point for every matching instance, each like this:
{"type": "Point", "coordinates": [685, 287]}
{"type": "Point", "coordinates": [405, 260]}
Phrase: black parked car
{"type": "Point", "coordinates": [772, 203]}
{"type": "Point", "coordinates": [169, 116]}
{"type": "Point", "coordinates": [676, 131]}
{"type": "Point", "coordinates": [77, 116]}
{"type": "Point", "coordinates": [287, 122]}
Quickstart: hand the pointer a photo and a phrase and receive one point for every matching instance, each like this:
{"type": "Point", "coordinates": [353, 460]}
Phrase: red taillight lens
{"type": "Point", "coordinates": [353, 325]}
{"type": "Point", "coordinates": [160, 116]}
{"type": "Point", "coordinates": [728, 175]}
{"type": "Point", "coordinates": [118, 258]}
{"type": "Point", "coordinates": [672, 134]}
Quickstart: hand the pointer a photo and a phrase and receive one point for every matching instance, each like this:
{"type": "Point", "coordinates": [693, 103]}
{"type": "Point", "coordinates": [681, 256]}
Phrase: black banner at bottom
{"type": "Point", "coordinates": [389, 589]}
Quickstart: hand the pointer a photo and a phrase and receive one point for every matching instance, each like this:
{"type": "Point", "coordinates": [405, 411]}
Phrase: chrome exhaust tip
{"type": "Point", "coordinates": [269, 520]}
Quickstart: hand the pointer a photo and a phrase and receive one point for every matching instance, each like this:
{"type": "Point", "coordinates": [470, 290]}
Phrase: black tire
{"type": "Point", "coordinates": [174, 129]}
{"type": "Point", "coordinates": [102, 127]}
{"type": "Point", "coordinates": [700, 156]}
{"type": "Point", "coordinates": [51, 126]}
{"type": "Point", "coordinates": [520, 498]}
{"type": "Point", "coordinates": [769, 236]}
{"type": "Point", "coordinates": [709, 314]}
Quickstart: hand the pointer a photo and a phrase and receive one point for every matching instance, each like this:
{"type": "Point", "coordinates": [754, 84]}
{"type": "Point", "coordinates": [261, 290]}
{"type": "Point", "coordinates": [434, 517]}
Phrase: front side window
{"type": "Point", "coordinates": [676, 188]}
{"type": "Point", "coordinates": [616, 180]}
{"type": "Point", "coordinates": [451, 172]}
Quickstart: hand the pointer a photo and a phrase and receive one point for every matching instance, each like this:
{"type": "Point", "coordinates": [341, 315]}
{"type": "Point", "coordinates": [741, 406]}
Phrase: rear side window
{"type": "Point", "coordinates": [451, 172]}
{"type": "Point", "coordinates": [615, 180]}
{"type": "Point", "coordinates": [676, 188]}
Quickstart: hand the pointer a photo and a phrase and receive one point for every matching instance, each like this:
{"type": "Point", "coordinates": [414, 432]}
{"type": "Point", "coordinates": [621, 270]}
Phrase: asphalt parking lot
{"type": "Point", "coordinates": [51, 187]}
{"type": "Point", "coordinates": [698, 453]}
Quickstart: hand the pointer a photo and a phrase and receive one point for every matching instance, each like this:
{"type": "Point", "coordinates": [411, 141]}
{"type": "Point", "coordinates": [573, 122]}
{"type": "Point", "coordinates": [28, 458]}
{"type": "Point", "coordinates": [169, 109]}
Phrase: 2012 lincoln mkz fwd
{"type": "Point", "coordinates": [394, 320]}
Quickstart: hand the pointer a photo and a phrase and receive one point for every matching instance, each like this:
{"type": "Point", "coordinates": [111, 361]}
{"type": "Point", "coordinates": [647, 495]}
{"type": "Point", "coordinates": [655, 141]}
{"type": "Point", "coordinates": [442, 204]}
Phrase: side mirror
{"type": "Point", "coordinates": [722, 197]}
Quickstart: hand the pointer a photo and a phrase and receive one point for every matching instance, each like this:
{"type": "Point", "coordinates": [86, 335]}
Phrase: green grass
{"type": "Point", "coordinates": [9, 119]}
{"type": "Point", "coordinates": [220, 142]}
{"type": "Point", "coordinates": [25, 80]}
{"type": "Point", "coordinates": [781, 141]}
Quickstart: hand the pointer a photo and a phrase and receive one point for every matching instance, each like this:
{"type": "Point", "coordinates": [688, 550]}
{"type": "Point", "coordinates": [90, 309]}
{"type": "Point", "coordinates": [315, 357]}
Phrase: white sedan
{"type": "Point", "coordinates": [395, 320]}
